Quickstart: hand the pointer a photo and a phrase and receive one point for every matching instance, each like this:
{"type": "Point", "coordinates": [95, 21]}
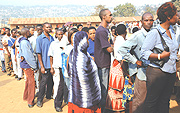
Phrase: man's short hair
{"type": "Point", "coordinates": [91, 28]}
{"type": "Point", "coordinates": [79, 25]}
{"type": "Point", "coordinates": [14, 29]}
{"type": "Point", "coordinates": [85, 29]}
{"type": "Point", "coordinates": [145, 14]}
{"type": "Point", "coordinates": [47, 23]}
{"type": "Point", "coordinates": [121, 29]}
{"type": "Point", "coordinates": [113, 27]}
{"type": "Point", "coordinates": [39, 25]}
{"type": "Point", "coordinates": [102, 13]}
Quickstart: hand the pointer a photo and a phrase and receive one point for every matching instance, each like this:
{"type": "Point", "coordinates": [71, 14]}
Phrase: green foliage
{"type": "Point", "coordinates": [149, 9]}
{"type": "Point", "coordinates": [125, 10]}
{"type": "Point", "coordinates": [98, 8]}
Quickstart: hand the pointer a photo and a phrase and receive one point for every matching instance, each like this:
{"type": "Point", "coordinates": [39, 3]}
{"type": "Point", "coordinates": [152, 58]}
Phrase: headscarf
{"type": "Point", "coordinates": [85, 88]}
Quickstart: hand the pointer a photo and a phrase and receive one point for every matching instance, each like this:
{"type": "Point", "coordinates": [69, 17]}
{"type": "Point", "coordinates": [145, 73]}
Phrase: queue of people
{"type": "Point", "coordinates": [96, 70]}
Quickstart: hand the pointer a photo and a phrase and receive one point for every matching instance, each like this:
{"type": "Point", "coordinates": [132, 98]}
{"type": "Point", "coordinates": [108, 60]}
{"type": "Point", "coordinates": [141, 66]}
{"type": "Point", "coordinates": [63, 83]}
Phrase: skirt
{"type": "Point", "coordinates": [72, 108]}
{"type": "Point", "coordinates": [115, 89]}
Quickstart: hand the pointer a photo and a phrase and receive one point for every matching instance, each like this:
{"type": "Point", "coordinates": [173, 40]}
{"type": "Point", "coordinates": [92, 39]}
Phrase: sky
{"type": "Point", "coordinates": [108, 3]}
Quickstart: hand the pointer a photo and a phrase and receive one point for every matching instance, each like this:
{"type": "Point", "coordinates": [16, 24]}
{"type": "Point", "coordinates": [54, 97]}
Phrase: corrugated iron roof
{"type": "Point", "coordinates": [26, 21]}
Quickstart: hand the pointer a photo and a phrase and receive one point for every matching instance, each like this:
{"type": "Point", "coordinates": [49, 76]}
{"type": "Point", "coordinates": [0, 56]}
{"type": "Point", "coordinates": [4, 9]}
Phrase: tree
{"type": "Point", "coordinates": [98, 8]}
{"type": "Point", "coordinates": [125, 10]}
{"type": "Point", "coordinates": [176, 3]}
{"type": "Point", "coordinates": [149, 9]}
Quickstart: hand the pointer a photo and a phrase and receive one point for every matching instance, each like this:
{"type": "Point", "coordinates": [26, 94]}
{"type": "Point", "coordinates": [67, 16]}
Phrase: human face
{"type": "Point", "coordinates": [7, 32]}
{"type": "Point", "coordinates": [31, 30]}
{"type": "Point", "coordinates": [173, 20]}
{"type": "Point", "coordinates": [59, 35]}
{"type": "Point", "coordinates": [92, 33]}
{"type": "Point", "coordinates": [147, 21]}
{"type": "Point", "coordinates": [113, 31]}
{"type": "Point", "coordinates": [39, 30]}
{"type": "Point", "coordinates": [72, 38]}
{"type": "Point", "coordinates": [178, 20]}
{"type": "Point", "coordinates": [47, 28]}
{"type": "Point", "coordinates": [108, 17]}
{"type": "Point", "coordinates": [14, 34]}
{"type": "Point", "coordinates": [80, 28]}
{"type": "Point", "coordinates": [88, 24]}
{"type": "Point", "coordinates": [28, 34]}
{"type": "Point", "coordinates": [17, 34]}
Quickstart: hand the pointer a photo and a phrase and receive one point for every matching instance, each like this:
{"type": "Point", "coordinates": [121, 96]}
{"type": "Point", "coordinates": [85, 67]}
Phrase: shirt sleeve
{"type": "Point", "coordinates": [38, 45]}
{"type": "Point", "coordinates": [50, 52]}
{"type": "Point", "coordinates": [149, 44]}
{"type": "Point", "coordinates": [10, 43]}
{"type": "Point", "coordinates": [125, 48]}
{"type": "Point", "coordinates": [103, 37]}
{"type": "Point", "coordinates": [28, 54]}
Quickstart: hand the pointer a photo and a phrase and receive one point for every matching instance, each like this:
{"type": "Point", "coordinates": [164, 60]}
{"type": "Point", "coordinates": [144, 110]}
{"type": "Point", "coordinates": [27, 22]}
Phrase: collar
{"type": "Point", "coordinates": [144, 32]}
{"type": "Point", "coordinates": [44, 36]}
{"type": "Point", "coordinates": [162, 30]}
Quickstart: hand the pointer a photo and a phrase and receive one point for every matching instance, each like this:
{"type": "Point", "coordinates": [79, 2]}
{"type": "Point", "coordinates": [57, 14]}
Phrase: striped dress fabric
{"type": "Point", "coordinates": [85, 91]}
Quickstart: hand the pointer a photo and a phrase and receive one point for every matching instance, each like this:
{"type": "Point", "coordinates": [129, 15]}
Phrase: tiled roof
{"type": "Point", "coordinates": [25, 21]}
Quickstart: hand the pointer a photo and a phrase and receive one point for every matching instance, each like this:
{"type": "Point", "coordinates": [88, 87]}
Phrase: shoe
{"type": "Point", "coordinates": [18, 79]}
{"type": "Point", "coordinates": [4, 71]}
{"type": "Point", "coordinates": [16, 76]}
{"type": "Point", "coordinates": [58, 109]}
{"type": "Point", "coordinates": [36, 95]}
{"type": "Point", "coordinates": [39, 104]}
{"type": "Point", "coordinates": [8, 74]}
{"type": "Point", "coordinates": [30, 106]}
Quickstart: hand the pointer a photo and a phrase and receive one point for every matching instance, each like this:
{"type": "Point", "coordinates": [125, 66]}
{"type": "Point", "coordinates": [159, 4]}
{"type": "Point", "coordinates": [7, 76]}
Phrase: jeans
{"type": "Point", "coordinates": [104, 82]}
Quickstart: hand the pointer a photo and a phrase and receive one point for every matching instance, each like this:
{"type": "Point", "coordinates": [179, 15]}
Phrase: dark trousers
{"type": "Point", "coordinates": [29, 90]}
{"type": "Point", "coordinates": [59, 97]}
{"type": "Point", "coordinates": [45, 82]}
{"type": "Point", "coordinates": [159, 88]}
{"type": "Point", "coordinates": [104, 82]}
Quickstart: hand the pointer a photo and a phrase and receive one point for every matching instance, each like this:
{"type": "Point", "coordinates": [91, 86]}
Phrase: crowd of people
{"type": "Point", "coordinates": [97, 70]}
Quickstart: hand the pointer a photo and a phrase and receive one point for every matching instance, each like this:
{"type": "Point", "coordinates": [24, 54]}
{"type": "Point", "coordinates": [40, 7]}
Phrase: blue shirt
{"type": "Point", "coordinates": [135, 43]}
{"type": "Point", "coordinates": [90, 49]}
{"type": "Point", "coordinates": [26, 51]}
{"type": "Point", "coordinates": [11, 42]}
{"type": "Point", "coordinates": [42, 47]}
{"type": "Point", "coordinates": [153, 40]}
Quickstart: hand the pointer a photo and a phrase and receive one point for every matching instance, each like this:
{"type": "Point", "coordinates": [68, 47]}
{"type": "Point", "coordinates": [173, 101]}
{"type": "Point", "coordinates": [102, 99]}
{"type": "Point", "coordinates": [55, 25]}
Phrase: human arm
{"type": "Point", "coordinates": [51, 63]}
{"type": "Point", "coordinates": [41, 63]}
{"type": "Point", "coordinates": [150, 42]}
{"type": "Point", "coordinates": [105, 45]}
{"type": "Point", "coordinates": [27, 54]}
{"type": "Point", "coordinates": [125, 49]}
{"type": "Point", "coordinates": [15, 53]}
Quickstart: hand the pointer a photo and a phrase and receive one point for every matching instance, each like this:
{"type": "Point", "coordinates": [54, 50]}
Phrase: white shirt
{"type": "Point", "coordinates": [5, 40]}
{"type": "Point", "coordinates": [55, 51]}
{"type": "Point", "coordinates": [65, 40]}
{"type": "Point", "coordinates": [119, 41]}
{"type": "Point", "coordinates": [32, 41]}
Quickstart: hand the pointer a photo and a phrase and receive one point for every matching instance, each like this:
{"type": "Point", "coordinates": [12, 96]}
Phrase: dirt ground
{"type": "Point", "coordinates": [11, 99]}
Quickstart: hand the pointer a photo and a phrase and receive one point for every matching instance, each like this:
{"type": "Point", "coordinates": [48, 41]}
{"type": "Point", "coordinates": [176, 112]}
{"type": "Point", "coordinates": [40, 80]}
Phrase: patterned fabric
{"type": "Point", "coordinates": [85, 88]}
{"type": "Point", "coordinates": [116, 87]}
{"type": "Point", "coordinates": [128, 92]}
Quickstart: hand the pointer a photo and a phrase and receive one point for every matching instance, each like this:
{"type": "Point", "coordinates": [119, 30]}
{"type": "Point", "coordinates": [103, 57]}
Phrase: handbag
{"type": "Point", "coordinates": [159, 51]}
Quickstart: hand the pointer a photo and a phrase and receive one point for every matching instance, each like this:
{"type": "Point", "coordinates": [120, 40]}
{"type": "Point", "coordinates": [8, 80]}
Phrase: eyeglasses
{"type": "Point", "coordinates": [88, 24]}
